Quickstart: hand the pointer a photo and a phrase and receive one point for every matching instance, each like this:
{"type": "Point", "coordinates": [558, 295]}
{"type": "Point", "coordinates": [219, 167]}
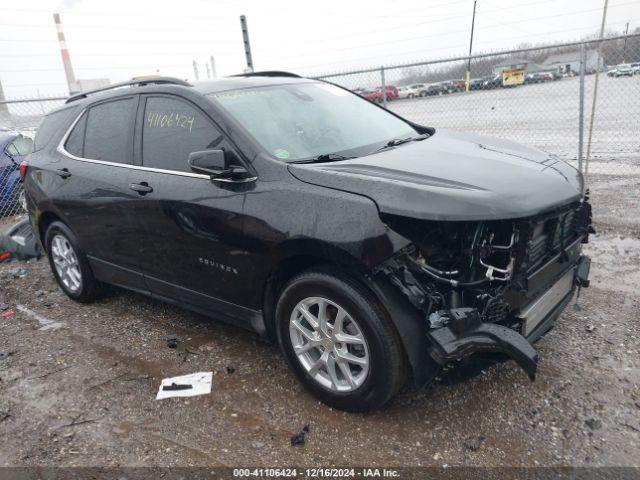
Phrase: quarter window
{"type": "Point", "coordinates": [172, 130]}
{"type": "Point", "coordinates": [50, 126]}
{"type": "Point", "coordinates": [108, 133]}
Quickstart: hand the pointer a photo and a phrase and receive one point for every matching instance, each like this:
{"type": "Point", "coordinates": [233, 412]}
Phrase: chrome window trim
{"type": "Point", "coordinates": [64, 152]}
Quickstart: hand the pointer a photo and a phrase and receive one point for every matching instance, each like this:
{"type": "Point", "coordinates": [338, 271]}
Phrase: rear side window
{"type": "Point", "coordinates": [172, 130]}
{"type": "Point", "coordinates": [50, 126]}
{"type": "Point", "coordinates": [75, 141]}
{"type": "Point", "coordinates": [108, 133]}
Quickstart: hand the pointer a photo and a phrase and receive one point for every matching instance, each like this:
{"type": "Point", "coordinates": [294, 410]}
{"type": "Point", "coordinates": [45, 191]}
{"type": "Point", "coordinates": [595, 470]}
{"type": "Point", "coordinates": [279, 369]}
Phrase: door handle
{"type": "Point", "coordinates": [142, 188]}
{"type": "Point", "coordinates": [63, 172]}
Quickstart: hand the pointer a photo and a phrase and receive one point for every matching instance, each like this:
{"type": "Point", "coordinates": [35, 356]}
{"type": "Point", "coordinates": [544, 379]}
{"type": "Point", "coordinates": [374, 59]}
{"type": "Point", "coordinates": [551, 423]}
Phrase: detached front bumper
{"type": "Point", "coordinates": [465, 334]}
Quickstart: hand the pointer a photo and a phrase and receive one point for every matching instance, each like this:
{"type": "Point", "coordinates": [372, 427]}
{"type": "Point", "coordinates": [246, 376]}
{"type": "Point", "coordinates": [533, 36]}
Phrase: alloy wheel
{"type": "Point", "coordinates": [66, 263]}
{"type": "Point", "coordinates": [329, 344]}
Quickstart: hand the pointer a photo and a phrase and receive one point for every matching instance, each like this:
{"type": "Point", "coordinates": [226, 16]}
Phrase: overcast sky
{"type": "Point", "coordinates": [119, 39]}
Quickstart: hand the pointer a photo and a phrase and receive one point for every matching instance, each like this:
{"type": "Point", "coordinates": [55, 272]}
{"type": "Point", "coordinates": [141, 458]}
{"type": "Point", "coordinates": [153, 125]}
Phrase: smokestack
{"type": "Point", "coordinates": [66, 60]}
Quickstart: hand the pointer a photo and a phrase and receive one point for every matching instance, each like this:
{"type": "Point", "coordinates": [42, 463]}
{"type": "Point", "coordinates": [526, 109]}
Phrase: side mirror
{"type": "Point", "coordinates": [209, 162]}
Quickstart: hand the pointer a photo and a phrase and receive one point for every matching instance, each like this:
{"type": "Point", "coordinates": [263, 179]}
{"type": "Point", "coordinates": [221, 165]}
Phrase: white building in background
{"type": "Point", "coordinates": [570, 61]}
{"type": "Point", "coordinates": [528, 66]}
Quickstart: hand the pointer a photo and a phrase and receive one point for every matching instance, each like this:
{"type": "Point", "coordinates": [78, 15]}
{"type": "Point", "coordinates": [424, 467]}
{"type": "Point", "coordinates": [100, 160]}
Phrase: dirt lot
{"type": "Point", "coordinates": [79, 384]}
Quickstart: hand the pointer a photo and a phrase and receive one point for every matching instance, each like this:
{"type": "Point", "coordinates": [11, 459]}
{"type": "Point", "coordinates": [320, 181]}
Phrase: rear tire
{"type": "Point", "coordinates": [69, 264]}
{"type": "Point", "coordinates": [354, 364]}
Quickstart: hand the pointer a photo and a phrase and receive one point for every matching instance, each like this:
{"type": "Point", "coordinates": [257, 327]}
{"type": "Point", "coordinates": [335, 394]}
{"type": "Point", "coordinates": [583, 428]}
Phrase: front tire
{"type": "Point", "coordinates": [339, 341]}
{"type": "Point", "coordinates": [69, 264]}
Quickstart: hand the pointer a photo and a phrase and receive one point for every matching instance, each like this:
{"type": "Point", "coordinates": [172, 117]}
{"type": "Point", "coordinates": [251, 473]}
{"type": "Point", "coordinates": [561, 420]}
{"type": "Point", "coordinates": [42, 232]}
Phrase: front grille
{"type": "Point", "coordinates": [551, 235]}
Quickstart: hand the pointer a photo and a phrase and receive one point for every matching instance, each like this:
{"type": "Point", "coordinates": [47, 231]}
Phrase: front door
{"type": "Point", "coordinates": [193, 225]}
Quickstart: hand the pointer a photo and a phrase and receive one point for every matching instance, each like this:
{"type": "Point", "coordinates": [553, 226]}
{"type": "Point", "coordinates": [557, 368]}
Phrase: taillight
{"type": "Point", "coordinates": [23, 169]}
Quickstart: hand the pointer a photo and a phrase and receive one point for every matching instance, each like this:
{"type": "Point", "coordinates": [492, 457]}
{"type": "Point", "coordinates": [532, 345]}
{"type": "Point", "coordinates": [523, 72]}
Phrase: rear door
{"type": "Point", "coordinates": [93, 188]}
{"type": "Point", "coordinates": [193, 225]}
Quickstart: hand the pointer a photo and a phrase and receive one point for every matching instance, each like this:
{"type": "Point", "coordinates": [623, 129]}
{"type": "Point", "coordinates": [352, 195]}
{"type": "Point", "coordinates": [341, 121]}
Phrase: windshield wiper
{"type": "Point", "coordinates": [399, 141]}
{"type": "Point", "coordinates": [325, 157]}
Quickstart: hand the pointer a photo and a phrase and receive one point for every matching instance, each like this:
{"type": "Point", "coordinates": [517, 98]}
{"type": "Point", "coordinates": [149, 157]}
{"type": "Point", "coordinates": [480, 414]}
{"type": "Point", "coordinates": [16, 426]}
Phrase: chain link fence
{"type": "Point", "coordinates": [540, 96]}
{"type": "Point", "coordinates": [19, 119]}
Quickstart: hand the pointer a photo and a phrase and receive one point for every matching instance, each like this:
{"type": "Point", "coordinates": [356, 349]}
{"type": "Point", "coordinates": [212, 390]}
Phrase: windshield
{"type": "Point", "coordinates": [303, 121]}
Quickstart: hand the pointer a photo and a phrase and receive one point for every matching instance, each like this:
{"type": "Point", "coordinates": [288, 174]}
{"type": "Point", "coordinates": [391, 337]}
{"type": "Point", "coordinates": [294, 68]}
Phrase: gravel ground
{"type": "Point", "coordinates": [78, 387]}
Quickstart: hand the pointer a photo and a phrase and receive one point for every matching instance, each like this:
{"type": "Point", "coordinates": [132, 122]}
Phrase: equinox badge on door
{"type": "Point", "coordinates": [220, 266]}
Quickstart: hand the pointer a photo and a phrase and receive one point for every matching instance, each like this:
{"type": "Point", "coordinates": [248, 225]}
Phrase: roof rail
{"type": "Point", "coordinates": [267, 73]}
{"type": "Point", "coordinates": [130, 83]}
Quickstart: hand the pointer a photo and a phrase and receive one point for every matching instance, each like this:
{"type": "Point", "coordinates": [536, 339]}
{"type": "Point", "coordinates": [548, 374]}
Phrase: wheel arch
{"type": "Point", "coordinates": [44, 220]}
{"type": "Point", "coordinates": [410, 326]}
{"type": "Point", "coordinates": [295, 257]}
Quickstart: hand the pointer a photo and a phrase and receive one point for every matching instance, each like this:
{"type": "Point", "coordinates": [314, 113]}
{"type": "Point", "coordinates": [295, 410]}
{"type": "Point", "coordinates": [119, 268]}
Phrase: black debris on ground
{"type": "Point", "coordinates": [299, 438]}
{"type": "Point", "coordinates": [172, 340]}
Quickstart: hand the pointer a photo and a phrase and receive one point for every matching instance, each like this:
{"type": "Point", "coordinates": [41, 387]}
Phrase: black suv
{"type": "Point", "coordinates": [372, 249]}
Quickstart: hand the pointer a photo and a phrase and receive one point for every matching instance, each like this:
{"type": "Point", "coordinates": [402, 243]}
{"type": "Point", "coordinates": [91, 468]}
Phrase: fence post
{"type": "Point", "coordinates": [384, 87]}
{"type": "Point", "coordinates": [3, 106]}
{"type": "Point", "coordinates": [583, 61]}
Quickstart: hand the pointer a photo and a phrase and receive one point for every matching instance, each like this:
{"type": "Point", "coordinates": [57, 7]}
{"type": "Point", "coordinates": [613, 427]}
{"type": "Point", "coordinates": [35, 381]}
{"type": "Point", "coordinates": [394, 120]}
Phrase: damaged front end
{"type": "Point", "coordinates": [490, 286]}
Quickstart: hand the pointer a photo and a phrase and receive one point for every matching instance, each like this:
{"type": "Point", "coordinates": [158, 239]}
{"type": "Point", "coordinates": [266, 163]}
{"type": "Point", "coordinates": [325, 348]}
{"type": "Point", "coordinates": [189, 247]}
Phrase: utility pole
{"type": "Point", "coordinates": [624, 48]}
{"type": "Point", "coordinates": [3, 106]}
{"type": "Point", "coordinates": [213, 66]}
{"type": "Point", "coordinates": [473, 22]}
{"type": "Point", "coordinates": [595, 87]}
{"type": "Point", "coordinates": [195, 70]}
{"type": "Point", "coordinates": [247, 44]}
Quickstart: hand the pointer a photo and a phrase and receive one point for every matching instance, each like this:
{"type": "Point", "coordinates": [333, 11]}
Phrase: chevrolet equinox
{"type": "Point", "coordinates": [372, 249]}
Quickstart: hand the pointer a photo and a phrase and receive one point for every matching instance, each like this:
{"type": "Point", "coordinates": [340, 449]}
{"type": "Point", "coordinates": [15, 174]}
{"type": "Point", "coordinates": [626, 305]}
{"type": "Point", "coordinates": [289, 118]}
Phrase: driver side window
{"type": "Point", "coordinates": [172, 130]}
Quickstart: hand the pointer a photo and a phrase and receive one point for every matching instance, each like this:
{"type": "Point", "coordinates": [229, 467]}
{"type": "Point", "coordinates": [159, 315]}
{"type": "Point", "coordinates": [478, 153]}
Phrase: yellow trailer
{"type": "Point", "coordinates": [512, 78]}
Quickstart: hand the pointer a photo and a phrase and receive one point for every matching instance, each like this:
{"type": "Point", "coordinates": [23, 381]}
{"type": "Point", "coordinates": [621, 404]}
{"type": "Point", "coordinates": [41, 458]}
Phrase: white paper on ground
{"type": "Point", "coordinates": [200, 385]}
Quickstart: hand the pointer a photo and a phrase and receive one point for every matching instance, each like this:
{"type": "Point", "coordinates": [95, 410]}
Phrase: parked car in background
{"type": "Point", "coordinates": [538, 77]}
{"type": "Point", "coordinates": [636, 68]}
{"type": "Point", "coordinates": [476, 84]}
{"type": "Point", "coordinates": [622, 70]}
{"type": "Point", "coordinates": [14, 147]}
{"type": "Point", "coordinates": [459, 85]}
{"type": "Point", "coordinates": [434, 89]}
{"type": "Point", "coordinates": [407, 92]}
{"type": "Point", "coordinates": [392, 92]}
{"type": "Point", "coordinates": [418, 87]}
{"type": "Point", "coordinates": [545, 76]}
{"type": "Point", "coordinates": [494, 81]}
{"type": "Point", "coordinates": [448, 86]}
{"type": "Point", "coordinates": [371, 95]}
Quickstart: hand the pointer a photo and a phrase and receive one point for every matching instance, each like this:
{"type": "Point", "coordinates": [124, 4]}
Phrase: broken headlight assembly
{"type": "Point", "coordinates": [465, 277]}
{"type": "Point", "coordinates": [454, 264]}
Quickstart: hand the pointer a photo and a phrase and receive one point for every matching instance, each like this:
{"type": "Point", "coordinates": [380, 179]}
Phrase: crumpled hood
{"type": "Point", "coordinates": [453, 176]}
